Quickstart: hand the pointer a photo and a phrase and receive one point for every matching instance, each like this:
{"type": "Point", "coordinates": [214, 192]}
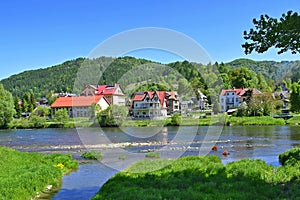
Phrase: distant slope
{"type": "Point", "coordinates": [41, 81]}
{"type": "Point", "coordinates": [269, 69]}
{"type": "Point", "coordinates": [60, 78]}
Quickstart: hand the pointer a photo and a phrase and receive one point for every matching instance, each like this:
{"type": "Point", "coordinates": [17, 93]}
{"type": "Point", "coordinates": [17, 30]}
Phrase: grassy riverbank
{"type": "Point", "coordinates": [206, 178]}
{"type": "Point", "coordinates": [26, 175]}
{"type": "Point", "coordinates": [195, 120]}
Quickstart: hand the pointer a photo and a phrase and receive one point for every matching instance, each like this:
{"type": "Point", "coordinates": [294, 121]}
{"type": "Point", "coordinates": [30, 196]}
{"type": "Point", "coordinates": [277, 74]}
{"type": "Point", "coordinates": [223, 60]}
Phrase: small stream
{"type": "Point", "coordinates": [130, 144]}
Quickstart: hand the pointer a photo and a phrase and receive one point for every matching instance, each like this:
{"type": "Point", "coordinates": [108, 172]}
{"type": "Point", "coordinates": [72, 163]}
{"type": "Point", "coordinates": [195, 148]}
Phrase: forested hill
{"type": "Point", "coordinates": [270, 69]}
{"type": "Point", "coordinates": [60, 78]}
{"type": "Point", "coordinates": [57, 78]}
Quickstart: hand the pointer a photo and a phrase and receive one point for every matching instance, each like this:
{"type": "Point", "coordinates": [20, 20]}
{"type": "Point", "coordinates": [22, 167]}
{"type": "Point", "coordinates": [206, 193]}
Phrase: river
{"type": "Point", "coordinates": [123, 146]}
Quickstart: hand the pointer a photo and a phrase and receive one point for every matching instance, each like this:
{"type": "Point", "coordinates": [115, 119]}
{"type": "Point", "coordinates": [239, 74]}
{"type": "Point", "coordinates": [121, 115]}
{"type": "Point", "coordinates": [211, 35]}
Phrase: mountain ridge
{"type": "Point", "coordinates": [60, 78]}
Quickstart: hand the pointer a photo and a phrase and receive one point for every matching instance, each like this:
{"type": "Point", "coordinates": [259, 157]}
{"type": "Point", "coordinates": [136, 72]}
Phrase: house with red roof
{"type": "Point", "coordinates": [232, 98]}
{"type": "Point", "coordinates": [149, 105]}
{"type": "Point", "coordinates": [112, 92]}
{"type": "Point", "coordinates": [79, 106]}
{"type": "Point", "coordinates": [172, 98]}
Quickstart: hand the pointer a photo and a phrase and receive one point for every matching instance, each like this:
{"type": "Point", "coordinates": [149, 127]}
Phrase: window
{"type": "Point", "coordinates": [237, 99]}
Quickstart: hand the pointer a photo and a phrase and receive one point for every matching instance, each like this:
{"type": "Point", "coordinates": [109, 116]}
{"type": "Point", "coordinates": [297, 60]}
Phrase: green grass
{"type": "Point", "coordinates": [186, 121]}
{"type": "Point", "coordinates": [295, 120]}
{"type": "Point", "coordinates": [25, 175]}
{"type": "Point", "coordinates": [92, 155]}
{"type": "Point", "coordinates": [153, 155]}
{"type": "Point", "coordinates": [24, 123]}
{"type": "Point", "coordinates": [195, 177]}
{"type": "Point", "coordinates": [244, 121]}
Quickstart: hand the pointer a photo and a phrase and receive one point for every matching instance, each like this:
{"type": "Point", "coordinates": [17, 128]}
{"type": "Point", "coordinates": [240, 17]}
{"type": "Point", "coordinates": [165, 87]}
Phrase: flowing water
{"type": "Point", "coordinates": [123, 146]}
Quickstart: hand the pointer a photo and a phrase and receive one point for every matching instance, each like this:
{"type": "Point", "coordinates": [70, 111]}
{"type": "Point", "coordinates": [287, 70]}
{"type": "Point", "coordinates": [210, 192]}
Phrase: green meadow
{"type": "Point", "coordinates": [206, 177]}
{"type": "Point", "coordinates": [26, 175]}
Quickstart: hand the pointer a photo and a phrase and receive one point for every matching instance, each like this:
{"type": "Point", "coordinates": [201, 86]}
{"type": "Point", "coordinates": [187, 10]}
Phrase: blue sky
{"type": "Point", "coordinates": [41, 33]}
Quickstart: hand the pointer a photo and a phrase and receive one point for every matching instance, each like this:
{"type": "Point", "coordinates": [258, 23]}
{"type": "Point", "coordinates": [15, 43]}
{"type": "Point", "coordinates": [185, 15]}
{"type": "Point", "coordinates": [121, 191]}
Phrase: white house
{"type": "Point", "coordinates": [232, 98]}
{"type": "Point", "coordinates": [149, 105]}
{"type": "Point", "coordinates": [79, 106]}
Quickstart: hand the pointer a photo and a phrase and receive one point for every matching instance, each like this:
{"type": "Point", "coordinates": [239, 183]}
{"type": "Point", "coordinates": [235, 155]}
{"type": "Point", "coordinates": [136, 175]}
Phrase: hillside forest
{"type": "Point", "coordinates": [134, 74]}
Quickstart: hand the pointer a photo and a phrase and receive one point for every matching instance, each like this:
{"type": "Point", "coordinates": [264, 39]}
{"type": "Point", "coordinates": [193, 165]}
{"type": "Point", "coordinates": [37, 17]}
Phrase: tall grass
{"type": "Point", "coordinates": [25, 175]}
{"type": "Point", "coordinates": [203, 178]}
{"type": "Point", "coordinates": [243, 121]}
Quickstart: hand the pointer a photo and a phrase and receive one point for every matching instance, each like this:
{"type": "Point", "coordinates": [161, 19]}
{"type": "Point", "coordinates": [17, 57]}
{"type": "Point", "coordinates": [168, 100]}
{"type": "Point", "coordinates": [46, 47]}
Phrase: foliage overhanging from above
{"type": "Point", "coordinates": [282, 33]}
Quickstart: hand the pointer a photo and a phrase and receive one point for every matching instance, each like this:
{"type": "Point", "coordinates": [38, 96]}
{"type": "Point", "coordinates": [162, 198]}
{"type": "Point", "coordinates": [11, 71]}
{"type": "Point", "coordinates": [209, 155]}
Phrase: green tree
{"type": "Point", "coordinates": [283, 34]}
{"type": "Point", "coordinates": [42, 111]}
{"type": "Point", "coordinates": [62, 115]}
{"type": "Point", "coordinates": [7, 110]}
{"type": "Point", "coordinates": [18, 107]}
{"type": "Point", "coordinates": [183, 86]}
{"type": "Point", "coordinates": [295, 97]}
{"type": "Point", "coordinates": [261, 104]}
{"type": "Point", "coordinates": [28, 102]}
{"type": "Point", "coordinates": [262, 84]}
{"type": "Point", "coordinates": [112, 116]}
{"type": "Point", "coordinates": [176, 119]}
{"type": "Point", "coordinates": [243, 78]}
{"type": "Point", "coordinates": [37, 121]}
{"type": "Point", "coordinates": [216, 107]}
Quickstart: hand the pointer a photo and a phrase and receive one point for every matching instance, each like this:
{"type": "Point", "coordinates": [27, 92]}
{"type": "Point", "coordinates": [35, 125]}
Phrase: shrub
{"type": "Point", "coordinates": [176, 119]}
{"type": "Point", "coordinates": [290, 157]}
{"type": "Point", "coordinates": [37, 122]}
{"type": "Point", "coordinates": [92, 155]}
{"type": "Point", "coordinates": [153, 155]}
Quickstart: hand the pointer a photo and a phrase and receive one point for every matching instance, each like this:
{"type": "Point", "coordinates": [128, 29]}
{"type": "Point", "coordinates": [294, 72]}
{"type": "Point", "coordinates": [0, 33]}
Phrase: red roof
{"type": "Point", "coordinates": [161, 96]}
{"type": "Point", "coordinates": [107, 89]}
{"type": "Point", "coordinates": [241, 91]}
{"type": "Point", "coordinates": [140, 96]}
{"type": "Point", "coordinates": [62, 102]}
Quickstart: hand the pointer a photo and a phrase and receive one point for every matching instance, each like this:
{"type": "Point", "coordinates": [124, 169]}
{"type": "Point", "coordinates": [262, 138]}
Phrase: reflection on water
{"type": "Point", "coordinates": [255, 142]}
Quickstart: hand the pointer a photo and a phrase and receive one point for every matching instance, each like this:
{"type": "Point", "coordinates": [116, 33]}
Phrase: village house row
{"type": "Point", "coordinates": [145, 105]}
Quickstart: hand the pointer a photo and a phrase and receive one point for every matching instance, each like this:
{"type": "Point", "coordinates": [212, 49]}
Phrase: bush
{"type": "Point", "coordinates": [176, 119]}
{"type": "Point", "coordinates": [92, 155]}
{"type": "Point", "coordinates": [290, 157]}
{"type": "Point", "coordinates": [37, 122]}
{"type": "Point", "coordinates": [153, 155]}
{"type": "Point", "coordinates": [113, 116]}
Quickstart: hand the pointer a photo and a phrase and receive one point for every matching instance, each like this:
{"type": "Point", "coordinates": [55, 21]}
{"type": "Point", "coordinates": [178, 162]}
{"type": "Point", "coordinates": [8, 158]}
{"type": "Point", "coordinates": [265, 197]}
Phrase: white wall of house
{"type": "Point", "coordinates": [229, 101]}
{"type": "Point", "coordinates": [103, 104]}
{"type": "Point", "coordinates": [149, 108]}
{"type": "Point", "coordinates": [118, 100]}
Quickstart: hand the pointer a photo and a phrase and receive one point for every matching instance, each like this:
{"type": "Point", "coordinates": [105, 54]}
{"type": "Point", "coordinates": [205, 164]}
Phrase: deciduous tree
{"type": "Point", "coordinates": [295, 97]}
{"type": "Point", "coordinates": [283, 33]}
{"type": "Point", "coordinates": [7, 110]}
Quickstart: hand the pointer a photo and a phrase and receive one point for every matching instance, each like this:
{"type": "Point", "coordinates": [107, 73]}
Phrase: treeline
{"type": "Point", "coordinates": [186, 77]}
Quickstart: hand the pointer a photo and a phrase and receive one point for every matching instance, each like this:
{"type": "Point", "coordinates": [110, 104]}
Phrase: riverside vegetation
{"type": "Point", "coordinates": [26, 175]}
{"type": "Point", "coordinates": [206, 177]}
{"type": "Point", "coordinates": [176, 120]}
